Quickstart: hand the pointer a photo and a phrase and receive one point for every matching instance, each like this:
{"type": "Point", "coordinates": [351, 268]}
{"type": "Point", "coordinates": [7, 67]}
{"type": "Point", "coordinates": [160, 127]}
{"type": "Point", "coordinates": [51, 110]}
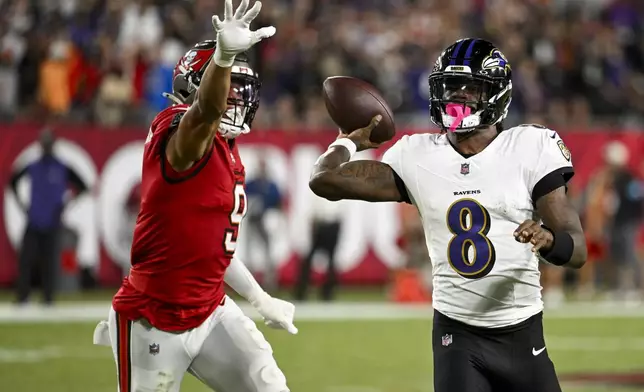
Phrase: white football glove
{"type": "Point", "coordinates": [233, 33]}
{"type": "Point", "coordinates": [277, 313]}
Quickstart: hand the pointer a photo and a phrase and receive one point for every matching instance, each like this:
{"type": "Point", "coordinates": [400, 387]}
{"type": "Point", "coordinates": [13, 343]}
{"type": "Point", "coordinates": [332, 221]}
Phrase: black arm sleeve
{"type": "Point", "coordinates": [551, 181]}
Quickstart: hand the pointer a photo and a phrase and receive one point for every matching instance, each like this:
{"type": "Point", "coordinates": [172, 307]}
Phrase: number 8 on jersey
{"type": "Point", "coordinates": [470, 252]}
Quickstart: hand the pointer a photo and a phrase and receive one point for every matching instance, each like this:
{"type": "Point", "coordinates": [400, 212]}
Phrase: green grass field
{"type": "Point", "coordinates": [339, 355]}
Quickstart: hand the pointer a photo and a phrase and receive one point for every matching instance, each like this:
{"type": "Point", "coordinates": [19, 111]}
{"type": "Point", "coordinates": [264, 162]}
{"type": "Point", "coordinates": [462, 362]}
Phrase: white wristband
{"type": "Point", "coordinates": [223, 60]}
{"type": "Point", "coordinates": [346, 143]}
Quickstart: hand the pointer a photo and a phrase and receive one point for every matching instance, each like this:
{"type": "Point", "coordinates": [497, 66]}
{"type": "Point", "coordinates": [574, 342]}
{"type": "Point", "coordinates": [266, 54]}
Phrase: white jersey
{"type": "Point", "coordinates": [470, 208]}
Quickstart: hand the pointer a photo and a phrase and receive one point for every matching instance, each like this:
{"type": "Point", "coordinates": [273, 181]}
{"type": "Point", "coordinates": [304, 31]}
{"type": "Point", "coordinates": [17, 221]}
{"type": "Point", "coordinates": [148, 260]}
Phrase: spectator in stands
{"type": "Point", "coordinates": [561, 49]}
{"type": "Point", "coordinates": [39, 251]}
{"type": "Point", "coordinates": [55, 88]}
{"type": "Point", "coordinates": [114, 98]}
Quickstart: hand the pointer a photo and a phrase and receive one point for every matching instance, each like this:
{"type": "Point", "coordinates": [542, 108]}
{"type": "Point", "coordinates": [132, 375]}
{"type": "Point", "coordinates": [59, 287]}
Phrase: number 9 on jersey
{"type": "Point", "coordinates": [237, 214]}
{"type": "Point", "coordinates": [470, 252]}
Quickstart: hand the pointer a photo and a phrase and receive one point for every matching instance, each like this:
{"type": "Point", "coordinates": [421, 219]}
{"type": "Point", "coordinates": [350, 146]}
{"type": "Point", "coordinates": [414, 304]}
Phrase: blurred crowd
{"type": "Point", "coordinates": [577, 64]}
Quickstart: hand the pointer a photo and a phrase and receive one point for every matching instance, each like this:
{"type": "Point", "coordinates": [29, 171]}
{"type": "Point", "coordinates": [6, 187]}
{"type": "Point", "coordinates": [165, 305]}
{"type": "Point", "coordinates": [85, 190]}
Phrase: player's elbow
{"type": "Point", "coordinates": [322, 185]}
{"type": "Point", "coordinates": [576, 263]}
{"type": "Point", "coordinates": [579, 254]}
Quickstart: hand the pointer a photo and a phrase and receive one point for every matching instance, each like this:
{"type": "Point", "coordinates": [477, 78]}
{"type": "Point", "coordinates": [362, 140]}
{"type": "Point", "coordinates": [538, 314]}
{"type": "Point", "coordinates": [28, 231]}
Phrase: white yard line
{"type": "Point", "coordinates": [34, 355]}
{"type": "Point", "coordinates": [341, 311]}
{"type": "Point", "coordinates": [594, 343]}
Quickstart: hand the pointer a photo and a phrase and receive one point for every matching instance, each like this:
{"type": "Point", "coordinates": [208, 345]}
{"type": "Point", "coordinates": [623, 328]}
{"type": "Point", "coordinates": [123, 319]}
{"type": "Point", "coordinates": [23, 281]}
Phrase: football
{"type": "Point", "coordinates": [352, 103]}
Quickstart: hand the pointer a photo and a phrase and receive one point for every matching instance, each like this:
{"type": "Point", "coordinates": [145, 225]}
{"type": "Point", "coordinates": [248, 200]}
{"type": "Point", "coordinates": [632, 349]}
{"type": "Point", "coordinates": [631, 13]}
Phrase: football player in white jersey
{"type": "Point", "coordinates": [492, 202]}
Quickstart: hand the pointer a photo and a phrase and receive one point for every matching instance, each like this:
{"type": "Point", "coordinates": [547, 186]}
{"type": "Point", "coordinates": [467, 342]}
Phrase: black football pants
{"type": "Point", "coordinates": [39, 252]}
{"type": "Point", "coordinates": [325, 239]}
{"type": "Point", "coordinates": [508, 359]}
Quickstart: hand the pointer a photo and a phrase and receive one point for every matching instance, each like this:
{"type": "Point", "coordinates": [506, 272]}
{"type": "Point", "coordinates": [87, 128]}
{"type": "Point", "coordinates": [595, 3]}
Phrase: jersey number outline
{"type": "Point", "coordinates": [466, 237]}
{"type": "Point", "coordinates": [236, 215]}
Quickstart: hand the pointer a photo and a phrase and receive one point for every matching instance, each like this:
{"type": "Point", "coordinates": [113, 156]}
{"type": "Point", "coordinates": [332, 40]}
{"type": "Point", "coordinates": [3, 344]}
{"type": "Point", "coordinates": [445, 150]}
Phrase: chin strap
{"type": "Point", "coordinates": [176, 100]}
{"type": "Point", "coordinates": [230, 131]}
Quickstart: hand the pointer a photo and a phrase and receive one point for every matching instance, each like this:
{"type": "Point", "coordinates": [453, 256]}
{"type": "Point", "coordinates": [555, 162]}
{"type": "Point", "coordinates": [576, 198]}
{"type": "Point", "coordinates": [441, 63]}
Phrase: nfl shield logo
{"type": "Point", "coordinates": [154, 349]}
{"type": "Point", "coordinates": [465, 169]}
{"type": "Point", "coordinates": [446, 340]}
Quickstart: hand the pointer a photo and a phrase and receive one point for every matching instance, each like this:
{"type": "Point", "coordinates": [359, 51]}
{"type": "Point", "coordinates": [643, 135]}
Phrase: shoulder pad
{"type": "Point", "coordinates": [539, 126]}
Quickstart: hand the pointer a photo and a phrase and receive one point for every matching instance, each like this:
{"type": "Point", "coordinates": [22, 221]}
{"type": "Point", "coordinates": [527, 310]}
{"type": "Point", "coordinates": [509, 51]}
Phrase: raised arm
{"type": "Point", "coordinates": [200, 123]}
{"type": "Point", "coordinates": [335, 178]}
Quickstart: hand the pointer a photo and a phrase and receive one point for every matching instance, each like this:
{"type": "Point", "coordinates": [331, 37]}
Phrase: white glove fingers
{"type": "Point", "coordinates": [285, 325]}
{"type": "Point", "coordinates": [264, 32]}
{"type": "Point", "coordinates": [272, 324]}
{"type": "Point", "coordinates": [252, 13]}
{"type": "Point", "coordinates": [228, 10]}
{"type": "Point", "coordinates": [216, 23]}
{"type": "Point", "coordinates": [241, 10]}
{"type": "Point", "coordinates": [290, 328]}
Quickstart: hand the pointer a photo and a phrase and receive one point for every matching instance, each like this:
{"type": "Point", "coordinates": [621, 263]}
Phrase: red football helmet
{"type": "Point", "coordinates": [243, 100]}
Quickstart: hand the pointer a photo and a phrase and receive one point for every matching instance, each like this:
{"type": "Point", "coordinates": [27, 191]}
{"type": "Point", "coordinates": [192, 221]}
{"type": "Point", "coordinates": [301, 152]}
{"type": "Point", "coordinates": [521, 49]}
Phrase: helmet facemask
{"type": "Point", "coordinates": [243, 102]}
{"type": "Point", "coordinates": [243, 97]}
{"type": "Point", "coordinates": [462, 102]}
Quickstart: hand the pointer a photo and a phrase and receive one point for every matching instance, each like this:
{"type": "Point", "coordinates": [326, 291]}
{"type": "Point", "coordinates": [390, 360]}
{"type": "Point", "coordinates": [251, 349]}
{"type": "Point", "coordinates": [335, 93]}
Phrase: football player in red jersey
{"type": "Point", "coordinates": [171, 315]}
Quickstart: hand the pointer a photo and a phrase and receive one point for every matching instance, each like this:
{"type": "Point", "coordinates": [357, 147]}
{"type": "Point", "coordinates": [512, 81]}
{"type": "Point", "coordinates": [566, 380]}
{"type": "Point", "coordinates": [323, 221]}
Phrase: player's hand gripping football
{"type": "Point", "coordinates": [233, 33]}
{"type": "Point", "coordinates": [277, 313]}
{"type": "Point", "coordinates": [361, 136]}
{"type": "Point", "coordinates": [532, 232]}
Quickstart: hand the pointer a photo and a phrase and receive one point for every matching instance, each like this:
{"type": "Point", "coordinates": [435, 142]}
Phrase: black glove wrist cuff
{"type": "Point", "coordinates": [562, 247]}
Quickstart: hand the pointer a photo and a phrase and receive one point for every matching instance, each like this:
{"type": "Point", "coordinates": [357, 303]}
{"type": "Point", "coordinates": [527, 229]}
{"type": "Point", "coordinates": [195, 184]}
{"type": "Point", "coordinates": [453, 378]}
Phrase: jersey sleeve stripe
{"type": "Point", "coordinates": [551, 181]}
{"type": "Point", "coordinates": [124, 353]}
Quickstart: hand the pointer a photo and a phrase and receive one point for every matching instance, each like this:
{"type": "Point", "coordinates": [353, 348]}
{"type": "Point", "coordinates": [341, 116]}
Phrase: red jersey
{"type": "Point", "coordinates": [185, 233]}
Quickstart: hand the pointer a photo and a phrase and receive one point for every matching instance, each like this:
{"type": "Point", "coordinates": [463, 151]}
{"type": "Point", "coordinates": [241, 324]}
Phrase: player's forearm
{"type": "Point", "coordinates": [239, 278]}
{"type": "Point", "coordinates": [326, 180]}
{"type": "Point", "coordinates": [212, 97]}
{"type": "Point", "coordinates": [562, 219]}
{"type": "Point", "coordinates": [570, 242]}
{"type": "Point", "coordinates": [334, 178]}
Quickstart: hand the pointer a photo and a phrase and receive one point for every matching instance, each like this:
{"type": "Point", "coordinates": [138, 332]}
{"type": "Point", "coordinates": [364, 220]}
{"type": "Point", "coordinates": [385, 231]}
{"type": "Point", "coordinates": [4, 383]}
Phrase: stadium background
{"type": "Point", "coordinates": [93, 72]}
